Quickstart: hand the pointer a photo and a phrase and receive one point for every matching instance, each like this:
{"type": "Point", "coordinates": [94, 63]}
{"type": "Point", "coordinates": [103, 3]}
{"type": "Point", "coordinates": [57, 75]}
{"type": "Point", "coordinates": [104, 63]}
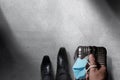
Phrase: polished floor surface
{"type": "Point", "coordinates": [30, 29]}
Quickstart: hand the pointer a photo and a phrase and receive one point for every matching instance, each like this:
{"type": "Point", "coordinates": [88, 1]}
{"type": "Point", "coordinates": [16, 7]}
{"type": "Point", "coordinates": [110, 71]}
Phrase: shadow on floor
{"type": "Point", "coordinates": [109, 68]}
{"type": "Point", "coordinates": [115, 5]}
{"type": "Point", "coordinates": [12, 60]}
{"type": "Point", "coordinates": [6, 58]}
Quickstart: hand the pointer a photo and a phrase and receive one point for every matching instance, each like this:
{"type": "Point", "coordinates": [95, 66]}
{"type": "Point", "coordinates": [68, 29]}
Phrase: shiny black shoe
{"type": "Point", "coordinates": [62, 72]}
{"type": "Point", "coordinates": [46, 69]}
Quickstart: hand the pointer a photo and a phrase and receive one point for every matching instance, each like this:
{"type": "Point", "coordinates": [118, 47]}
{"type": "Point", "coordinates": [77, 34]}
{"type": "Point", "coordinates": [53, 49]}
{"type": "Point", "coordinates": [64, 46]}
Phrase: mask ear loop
{"type": "Point", "coordinates": [91, 66]}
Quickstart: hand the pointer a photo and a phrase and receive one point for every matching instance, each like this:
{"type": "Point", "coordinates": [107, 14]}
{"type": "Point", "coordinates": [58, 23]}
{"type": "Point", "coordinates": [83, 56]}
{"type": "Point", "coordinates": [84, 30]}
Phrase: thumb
{"type": "Point", "coordinates": [92, 61]}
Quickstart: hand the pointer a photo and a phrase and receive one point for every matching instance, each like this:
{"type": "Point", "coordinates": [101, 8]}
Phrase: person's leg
{"type": "Point", "coordinates": [46, 69]}
{"type": "Point", "coordinates": [62, 72]}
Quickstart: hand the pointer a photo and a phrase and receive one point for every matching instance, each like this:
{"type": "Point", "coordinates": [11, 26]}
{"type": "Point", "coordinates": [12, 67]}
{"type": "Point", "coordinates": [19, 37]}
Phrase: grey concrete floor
{"type": "Point", "coordinates": [31, 29]}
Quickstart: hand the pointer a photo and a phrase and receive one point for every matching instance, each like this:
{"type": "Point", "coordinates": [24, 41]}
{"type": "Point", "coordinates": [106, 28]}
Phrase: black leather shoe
{"type": "Point", "coordinates": [46, 69]}
{"type": "Point", "coordinates": [62, 72]}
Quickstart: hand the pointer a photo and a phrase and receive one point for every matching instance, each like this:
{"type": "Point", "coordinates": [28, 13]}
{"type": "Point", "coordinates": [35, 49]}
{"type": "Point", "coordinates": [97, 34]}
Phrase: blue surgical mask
{"type": "Point", "coordinates": [79, 68]}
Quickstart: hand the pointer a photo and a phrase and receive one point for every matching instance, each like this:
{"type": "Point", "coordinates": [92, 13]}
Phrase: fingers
{"type": "Point", "coordinates": [94, 71]}
{"type": "Point", "coordinates": [103, 68]}
{"type": "Point", "coordinates": [92, 62]}
{"type": "Point", "coordinates": [92, 59]}
{"type": "Point", "coordinates": [87, 77]}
